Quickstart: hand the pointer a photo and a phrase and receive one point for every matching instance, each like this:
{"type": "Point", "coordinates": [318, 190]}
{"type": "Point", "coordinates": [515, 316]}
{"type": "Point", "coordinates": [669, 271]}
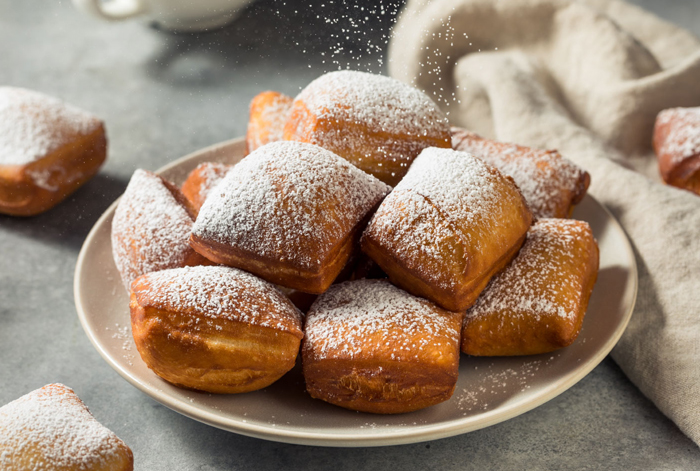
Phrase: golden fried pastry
{"type": "Point", "coordinates": [551, 184]}
{"type": "Point", "coordinates": [290, 213]}
{"type": "Point", "coordinates": [370, 346]}
{"type": "Point", "coordinates": [377, 123]}
{"type": "Point", "coordinates": [537, 303]}
{"type": "Point", "coordinates": [51, 429]}
{"type": "Point", "coordinates": [214, 329]}
{"type": "Point", "coordinates": [201, 180]}
{"type": "Point", "coordinates": [269, 112]}
{"type": "Point", "coordinates": [48, 149]}
{"type": "Point", "coordinates": [677, 146]}
{"type": "Point", "coordinates": [151, 228]}
{"type": "Point", "coordinates": [448, 227]}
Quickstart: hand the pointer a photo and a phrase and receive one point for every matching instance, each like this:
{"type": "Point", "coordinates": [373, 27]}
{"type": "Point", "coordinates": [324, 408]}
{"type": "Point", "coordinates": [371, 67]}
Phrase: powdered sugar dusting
{"type": "Point", "coordinates": [378, 123]}
{"type": "Point", "coordinates": [54, 423]}
{"type": "Point", "coordinates": [379, 102]}
{"type": "Point", "coordinates": [422, 238]}
{"type": "Point", "coordinates": [209, 174]}
{"type": "Point", "coordinates": [548, 181]}
{"type": "Point", "coordinates": [216, 291]}
{"type": "Point", "coordinates": [288, 201]}
{"type": "Point", "coordinates": [683, 138]}
{"type": "Point", "coordinates": [33, 125]}
{"type": "Point", "coordinates": [536, 283]}
{"type": "Point", "coordinates": [150, 229]}
{"type": "Point", "coordinates": [468, 192]}
{"type": "Point", "coordinates": [268, 126]}
{"type": "Point", "coordinates": [356, 319]}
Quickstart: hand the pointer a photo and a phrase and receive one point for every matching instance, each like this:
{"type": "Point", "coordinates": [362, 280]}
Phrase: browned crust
{"type": "Point", "coordinates": [196, 181]}
{"type": "Point", "coordinates": [464, 140]}
{"type": "Point", "coordinates": [65, 170]}
{"type": "Point", "coordinates": [462, 293]}
{"type": "Point", "coordinates": [261, 130]}
{"type": "Point", "coordinates": [379, 387]}
{"type": "Point", "coordinates": [218, 355]}
{"type": "Point", "coordinates": [676, 170]}
{"type": "Point", "coordinates": [383, 154]}
{"type": "Point", "coordinates": [512, 334]}
{"type": "Point", "coordinates": [280, 271]}
{"type": "Point", "coordinates": [112, 455]}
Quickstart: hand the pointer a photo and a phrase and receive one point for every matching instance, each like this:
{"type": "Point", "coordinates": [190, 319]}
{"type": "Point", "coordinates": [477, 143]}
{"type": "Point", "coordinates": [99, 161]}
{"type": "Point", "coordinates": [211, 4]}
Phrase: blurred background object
{"type": "Point", "coordinates": [171, 15]}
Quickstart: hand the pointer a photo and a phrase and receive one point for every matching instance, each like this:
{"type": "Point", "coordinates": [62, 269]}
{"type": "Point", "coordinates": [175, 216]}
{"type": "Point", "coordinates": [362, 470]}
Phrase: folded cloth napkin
{"type": "Point", "coordinates": [587, 78]}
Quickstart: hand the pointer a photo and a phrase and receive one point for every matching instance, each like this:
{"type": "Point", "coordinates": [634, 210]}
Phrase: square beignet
{"type": "Point", "coordinates": [52, 429]}
{"type": "Point", "coordinates": [677, 146]}
{"type": "Point", "coordinates": [377, 123]}
{"type": "Point", "coordinates": [551, 184]}
{"type": "Point", "coordinates": [448, 227]}
{"type": "Point", "coordinates": [214, 329]}
{"type": "Point", "coordinates": [538, 302]}
{"type": "Point", "coordinates": [151, 228]}
{"type": "Point", "coordinates": [201, 181]}
{"type": "Point", "coordinates": [48, 149]}
{"type": "Point", "coordinates": [290, 213]}
{"type": "Point", "coordinates": [268, 114]}
{"type": "Point", "coordinates": [370, 346]}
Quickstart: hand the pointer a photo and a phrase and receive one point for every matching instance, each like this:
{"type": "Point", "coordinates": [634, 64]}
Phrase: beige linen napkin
{"type": "Point", "coordinates": [587, 78]}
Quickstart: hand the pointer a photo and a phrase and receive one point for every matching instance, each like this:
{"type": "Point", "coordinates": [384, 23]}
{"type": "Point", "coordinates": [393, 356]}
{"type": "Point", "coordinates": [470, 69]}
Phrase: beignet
{"type": "Point", "coordinates": [201, 181]}
{"type": "Point", "coordinates": [151, 228]}
{"type": "Point", "coordinates": [214, 329]}
{"type": "Point", "coordinates": [448, 227]}
{"type": "Point", "coordinates": [48, 149]}
{"type": "Point", "coordinates": [51, 429]}
{"type": "Point", "coordinates": [551, 184]}
{"type": "Point", "coordinates": [677, 146]}
{"type": "Point", "coordinates": [538, 302]}
{"type": "Point", "coordinates": [290, 213]}
{"type": "Point", "coordinates": [370, 346]}
{"type": "Point", "coordinates": [377, 123]}
{"type": "Point", "coordinates": [268, 114]}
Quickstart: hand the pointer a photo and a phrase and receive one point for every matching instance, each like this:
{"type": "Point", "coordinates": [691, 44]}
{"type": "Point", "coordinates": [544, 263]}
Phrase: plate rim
{"type": "Point", "coordinates": [416, 434]}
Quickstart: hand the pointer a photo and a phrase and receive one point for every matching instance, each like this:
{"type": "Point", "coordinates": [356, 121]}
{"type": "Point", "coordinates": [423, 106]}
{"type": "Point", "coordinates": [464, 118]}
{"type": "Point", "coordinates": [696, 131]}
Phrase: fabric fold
{"type": "Point", "coordinates": [586, 78]}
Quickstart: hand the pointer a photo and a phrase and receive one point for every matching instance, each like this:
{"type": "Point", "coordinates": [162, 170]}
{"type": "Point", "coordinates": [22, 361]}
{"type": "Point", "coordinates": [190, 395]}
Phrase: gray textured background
{"type": "Point", "coordinates": [164, 96]}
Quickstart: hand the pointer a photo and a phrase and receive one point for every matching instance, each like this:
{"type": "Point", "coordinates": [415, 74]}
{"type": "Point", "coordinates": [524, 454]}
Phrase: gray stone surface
{"type": "Point", "coordinates": [164, 96]}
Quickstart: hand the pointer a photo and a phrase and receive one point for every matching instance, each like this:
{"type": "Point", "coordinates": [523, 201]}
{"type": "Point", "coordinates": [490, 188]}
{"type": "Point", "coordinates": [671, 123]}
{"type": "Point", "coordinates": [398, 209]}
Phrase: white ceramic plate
{"type": "Point", "coordinates": [489, 390]}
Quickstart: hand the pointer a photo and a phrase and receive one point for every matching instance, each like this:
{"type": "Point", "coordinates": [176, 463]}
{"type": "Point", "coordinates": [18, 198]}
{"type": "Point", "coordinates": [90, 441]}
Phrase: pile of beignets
{"type": "Point", "coordinates": [366, 233]}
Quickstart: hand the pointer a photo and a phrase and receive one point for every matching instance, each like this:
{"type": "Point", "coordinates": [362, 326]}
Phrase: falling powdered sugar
{"type": "Point", "coordinates": [33, 125]}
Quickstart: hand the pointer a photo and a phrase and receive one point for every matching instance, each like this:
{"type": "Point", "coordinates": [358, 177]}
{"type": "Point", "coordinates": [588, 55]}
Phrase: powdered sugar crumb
{"type": "Point", "coordinates": [494, 383]}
